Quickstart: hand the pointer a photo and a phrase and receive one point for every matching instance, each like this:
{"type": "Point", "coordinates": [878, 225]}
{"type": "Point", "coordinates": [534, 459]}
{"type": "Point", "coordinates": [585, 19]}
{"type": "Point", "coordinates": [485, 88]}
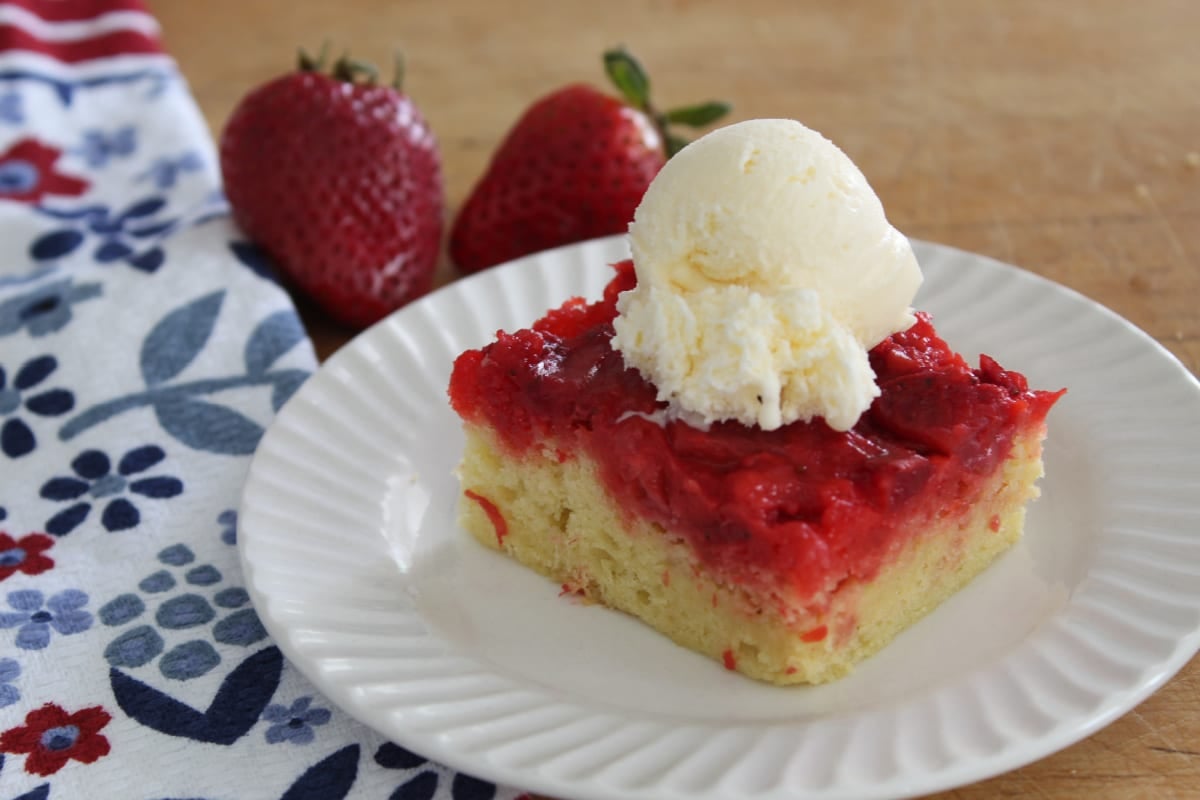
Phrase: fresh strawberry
{"type": "Point", "coordinates": [574, 167]}
{"type": "Point", "coordinates": [339, 179]}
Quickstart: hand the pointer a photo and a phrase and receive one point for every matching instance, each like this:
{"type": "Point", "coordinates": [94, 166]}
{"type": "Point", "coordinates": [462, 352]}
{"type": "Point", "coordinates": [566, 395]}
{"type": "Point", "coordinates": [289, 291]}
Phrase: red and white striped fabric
{"type": "Point", "coordinates": [74, 31]}
{"type": "Point", "coordinates": [79, 78]}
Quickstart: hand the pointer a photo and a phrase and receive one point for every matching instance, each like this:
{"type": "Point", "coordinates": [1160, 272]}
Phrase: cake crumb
{"type": "Point", "coordinates": [575, 594]}
{"type": "Point", "coordinates": [1142, 191]}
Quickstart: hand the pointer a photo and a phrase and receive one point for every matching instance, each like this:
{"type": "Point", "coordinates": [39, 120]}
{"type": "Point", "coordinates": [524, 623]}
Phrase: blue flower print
{"type": "Point", "coordinates": [36, 616]}
{"type": "Point", "coordinates": [227, 519]}
{"type": "Point", "coordinates": [98, 147]}
{"type": "Point", "coordinates": [392, 756]}
{"type": "Point", "coordinates": [119, 236]}
{"type": "Point", "coordinates": [16, 437]}
{"type": "Point", "coordinates": [45, 309]}
{"type": "Point", "coordinates": [294, 724]}
{"type": "Point", "coordinates": [425, 783]}
{"type": "Point", "coordinates": [94, 477]}
{"type": "Point", "coordinates": [255, 258]}
{"type": "Point", "coordinates": [10, 670]}
{"type": "Point", "coordinates": [22, 278]}
{"type": "Point", "coordinates": [166, 171]}
{"type": "Point", "coordinates": [12, 108]}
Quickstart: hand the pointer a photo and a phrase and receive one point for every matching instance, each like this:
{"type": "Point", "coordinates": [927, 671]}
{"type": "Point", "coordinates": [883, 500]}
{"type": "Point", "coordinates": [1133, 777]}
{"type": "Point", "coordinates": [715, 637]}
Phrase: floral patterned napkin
{"type": "Point", "coordinates": [143, 350]}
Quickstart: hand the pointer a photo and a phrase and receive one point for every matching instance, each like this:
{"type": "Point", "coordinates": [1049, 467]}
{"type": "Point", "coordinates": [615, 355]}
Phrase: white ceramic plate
{"type": "Point", "coordinates": [358, 570]}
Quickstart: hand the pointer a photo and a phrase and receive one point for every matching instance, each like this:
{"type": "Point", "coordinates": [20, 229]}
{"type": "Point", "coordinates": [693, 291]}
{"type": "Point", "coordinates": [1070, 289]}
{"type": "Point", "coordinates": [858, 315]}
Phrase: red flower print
{"type": "Point", "coordinates": [52, 737]}
{"type": "Point", "coordinates": [25, 554]}
{"type": "Point", "coordinates": [27, 173]}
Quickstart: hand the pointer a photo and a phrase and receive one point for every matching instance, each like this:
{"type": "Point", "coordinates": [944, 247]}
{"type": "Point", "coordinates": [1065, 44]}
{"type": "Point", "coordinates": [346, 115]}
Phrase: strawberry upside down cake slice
{"type": "Point", "coordinates": [788, 554]}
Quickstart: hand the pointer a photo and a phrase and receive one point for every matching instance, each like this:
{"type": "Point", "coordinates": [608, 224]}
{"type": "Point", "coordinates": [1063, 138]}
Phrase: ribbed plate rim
{"type": "Point", "coordinates": [551, 268]}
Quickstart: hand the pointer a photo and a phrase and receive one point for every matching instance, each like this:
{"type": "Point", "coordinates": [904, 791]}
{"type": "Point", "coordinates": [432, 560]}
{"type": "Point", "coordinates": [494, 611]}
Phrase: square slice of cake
{"type": "Point", "coordinates": [788, 554]}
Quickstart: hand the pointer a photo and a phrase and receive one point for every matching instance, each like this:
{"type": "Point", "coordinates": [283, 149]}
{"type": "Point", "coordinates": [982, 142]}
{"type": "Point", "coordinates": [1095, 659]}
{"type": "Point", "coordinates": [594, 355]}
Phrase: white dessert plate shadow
{"type": "Point", "coordinates": [357, 568]}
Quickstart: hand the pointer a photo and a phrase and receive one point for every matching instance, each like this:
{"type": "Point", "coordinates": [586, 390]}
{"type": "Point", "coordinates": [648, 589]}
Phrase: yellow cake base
{"type": "Point", "coordinates": [561, 523]}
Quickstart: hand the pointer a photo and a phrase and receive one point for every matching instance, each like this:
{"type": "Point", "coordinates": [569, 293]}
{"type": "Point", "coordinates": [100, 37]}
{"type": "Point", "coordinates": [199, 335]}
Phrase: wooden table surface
{"type": "Point", "coordinates": [1063, 137]}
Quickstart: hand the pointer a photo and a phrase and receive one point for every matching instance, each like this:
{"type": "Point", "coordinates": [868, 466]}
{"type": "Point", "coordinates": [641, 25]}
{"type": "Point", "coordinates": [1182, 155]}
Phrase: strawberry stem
{"type": "Point", "coordinates": [675, 143]}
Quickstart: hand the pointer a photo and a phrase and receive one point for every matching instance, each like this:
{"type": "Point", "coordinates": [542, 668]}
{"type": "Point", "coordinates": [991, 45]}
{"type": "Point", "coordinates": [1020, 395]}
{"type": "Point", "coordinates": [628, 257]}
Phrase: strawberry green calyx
{"type": "Point", "coordinates": [307, 63]}
{"type": "Point", "coordinates": [698, 116]}
{"type": "Point", "coordinates": [398, 71]}
{"type": "Point", "coordinates": [628, 76]}
{"type": "Point", "coordinates": [351, 70]}
{"type": "Point", "coordinates": [633, 83]}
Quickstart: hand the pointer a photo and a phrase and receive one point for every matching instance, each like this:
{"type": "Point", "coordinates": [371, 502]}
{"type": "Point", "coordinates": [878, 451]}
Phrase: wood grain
{"type": "Point", "coordinates": [1063, 137]}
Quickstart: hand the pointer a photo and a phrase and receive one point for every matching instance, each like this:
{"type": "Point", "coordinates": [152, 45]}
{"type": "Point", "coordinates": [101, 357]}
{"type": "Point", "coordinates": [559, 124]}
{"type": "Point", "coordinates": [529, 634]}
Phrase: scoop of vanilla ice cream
{"type": "Point", "coordinates": [766, 271]}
